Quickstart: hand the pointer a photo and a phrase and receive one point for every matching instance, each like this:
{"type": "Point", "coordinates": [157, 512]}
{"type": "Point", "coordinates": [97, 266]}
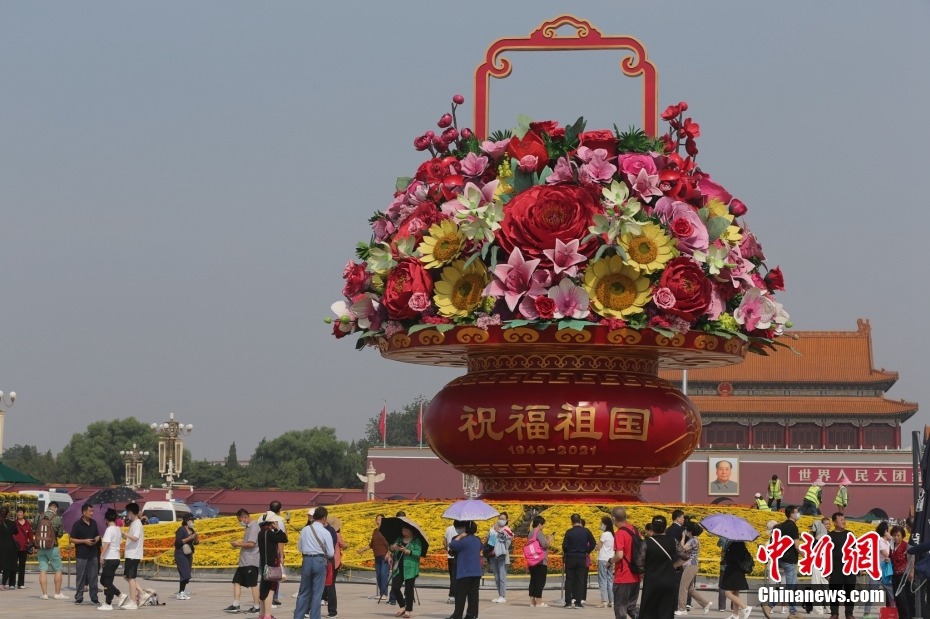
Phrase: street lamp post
{"type": "Point", "coordinates": [133, 459]}
{"type": "Point", "coordinates": [6, 401]}
{"type": "Point", "coordinates": [171, 450]}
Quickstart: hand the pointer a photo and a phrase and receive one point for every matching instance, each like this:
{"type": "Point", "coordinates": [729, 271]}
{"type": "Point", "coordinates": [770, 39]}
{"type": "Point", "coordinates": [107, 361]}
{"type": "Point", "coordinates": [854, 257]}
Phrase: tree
{"type": "Point", "coordinates": [401, 426]}
{"type": "Point", "coordinates": [232, 460]}
{"type": "Point", "coordinates": [28, 460]}
{"type": "Point", "coordinates": [93, 458]}
{"type": "Point", "coordinates": [312, 458]}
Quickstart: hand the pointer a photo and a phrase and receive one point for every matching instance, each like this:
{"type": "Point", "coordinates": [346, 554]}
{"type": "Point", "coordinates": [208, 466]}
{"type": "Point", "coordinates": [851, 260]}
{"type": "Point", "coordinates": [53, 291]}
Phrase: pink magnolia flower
{"type": "Point", "coordinates": [758, 310]}
{"type": "Point", "coordinates": [495, 150]}
{"type": "Point", "coordinates": [571, 301]}
{"type": "Point", "coordinates": [514, 279]}
{"type": "Point", "coordinates": [382, 229]}
{"type": "Point", "coordinates": [474, 165]}
{"type": "Point", "coordinates": [684, 223]}
{"type": "Point", "coordinates": [596, 168]}
{"type": "Point", "coordinates": [345, 317]}
{"type": "Point", "coordinates": [565, 257]}
{"type": "Point", "coordinates": [563, 172]}
{"type": "Point", "coordinates": [717, 304]}
{"type": "Point", "coordinates": [749, 246]}
{"type": "Point", "coordinates": [740, 271]}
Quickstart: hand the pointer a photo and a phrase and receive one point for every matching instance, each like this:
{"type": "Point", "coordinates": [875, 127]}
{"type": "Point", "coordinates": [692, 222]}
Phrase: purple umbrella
{"type": "Point", "coordinates": [73, 514]}
{"type": "Point", "coordinates": [470, 509]}
{"type": "Point", "coordinates": [731, 527]}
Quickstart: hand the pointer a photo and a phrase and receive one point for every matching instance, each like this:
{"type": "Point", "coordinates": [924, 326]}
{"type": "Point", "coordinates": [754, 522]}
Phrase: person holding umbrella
{"type": "Point", "coordinates": [407, 550]}
{"type": "Point", "coordinates": [736, 561]}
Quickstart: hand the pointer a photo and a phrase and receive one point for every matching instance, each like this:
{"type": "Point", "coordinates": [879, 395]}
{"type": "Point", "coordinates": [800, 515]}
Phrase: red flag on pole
{"type": "Point", "coordinates": [420, 425]}
{"type": "Point", "coordinates": [382, 425]}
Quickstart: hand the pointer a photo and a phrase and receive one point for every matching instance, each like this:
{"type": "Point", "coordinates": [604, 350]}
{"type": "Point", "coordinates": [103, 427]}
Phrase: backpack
{"type": "Point", "coordinates": [638, 564]}
{"type": "Point", "coordinates": [487, 551]}
{"type": "Point", "coordinates": [45, 533]}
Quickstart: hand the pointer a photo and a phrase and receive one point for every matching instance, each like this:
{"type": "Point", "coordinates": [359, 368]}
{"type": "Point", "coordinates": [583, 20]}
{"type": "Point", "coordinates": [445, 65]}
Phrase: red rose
{"type": "Point", "coordinates": [407, 278]}
{"type": "Point", "coordinates": [603, 138]}
{"type": "Point", "coordinates": [775, 280]}
{"type": "Point", "coordinates": [545, 307]}
{"type": "Point", "coordinates": [531, 144]}
{"type": "Point", "coordinates": [535, 218]}
{"type": "Point", "coordinates": [357, 279]}
{"type": "Point", "coordinates": [544, 126]}
{"type": "Point", "coordinates": [431, 171]}
{"type": "Point", "coordinates": [690, 285]}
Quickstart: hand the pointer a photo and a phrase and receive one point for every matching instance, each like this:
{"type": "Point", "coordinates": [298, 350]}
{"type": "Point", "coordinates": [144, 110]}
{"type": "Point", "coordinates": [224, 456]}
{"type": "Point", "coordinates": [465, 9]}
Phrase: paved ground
{"type": "Point", "coordinates": [355, 600]}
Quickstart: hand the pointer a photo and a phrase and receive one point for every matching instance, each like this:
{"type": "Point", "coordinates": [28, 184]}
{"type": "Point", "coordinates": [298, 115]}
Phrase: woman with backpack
{"type": "Point", "coordinates": [540, 570]}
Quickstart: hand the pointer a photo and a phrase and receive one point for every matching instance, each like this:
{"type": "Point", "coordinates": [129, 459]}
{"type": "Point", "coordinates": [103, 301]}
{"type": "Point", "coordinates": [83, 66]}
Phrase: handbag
{"type": "Point", "coordinates": [273, 573]}
{"type": "Point", "coordinates": [533, 552]}
{"type": "Point", "coordinates": [186, 549]}
{"type": "Point", "coordinates": [887, 571]}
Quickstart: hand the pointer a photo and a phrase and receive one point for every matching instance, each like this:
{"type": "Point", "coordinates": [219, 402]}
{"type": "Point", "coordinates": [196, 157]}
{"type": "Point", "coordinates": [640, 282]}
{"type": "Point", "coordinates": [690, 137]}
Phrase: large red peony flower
{"type": "Point", "coordinates": [602, 138]}
{"type": "Point", "coordinates": [407, 278]}
{"type": "Point", "coordinates": [535, 218]}
{"type": "Point", "coordinates": [531, 144]}
{"type": "Point", "coordinates": [687, 281]}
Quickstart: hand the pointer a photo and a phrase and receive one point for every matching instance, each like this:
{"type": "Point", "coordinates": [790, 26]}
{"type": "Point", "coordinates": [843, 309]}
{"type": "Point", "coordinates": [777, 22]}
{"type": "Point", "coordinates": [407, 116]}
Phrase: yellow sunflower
{"type": "Point", "coordinates": [648, 251]}
{"type": "Point", "coordinates": [442, 245]}
{"type": "Point", "coordinates": [616, 290]}
{"type": "Point", "coordinates": [459, 290]}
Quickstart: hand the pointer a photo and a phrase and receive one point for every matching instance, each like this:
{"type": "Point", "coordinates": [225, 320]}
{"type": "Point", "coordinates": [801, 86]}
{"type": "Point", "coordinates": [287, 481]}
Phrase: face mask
{"type": "Point", "coordinates": [603, 528]}
{"type": "Point", "coordinates": [243, 524]}
{"type": "Point", "coordinates": [459, 531]}
{"type": "Point", "coordinates": [502, 522]}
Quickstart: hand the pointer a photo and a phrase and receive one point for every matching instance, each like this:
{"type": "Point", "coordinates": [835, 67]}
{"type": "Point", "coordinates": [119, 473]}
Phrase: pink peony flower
{"type": "Point", "coordinates": [565, 257]}
{"type": "Point", "coordinates": [382, 229]}
{"type": "Point", "coordinates": [631, 164]}
{"type": "Point", "coordinates": [684, 223]}
{"type": "Point", "coordinates": [528, 163]}
{"type": "Point", "coordinates": [419, 301]}
{"type": "Point", "coordinates": [711, 190]}
{"type": "Point", "coordinates": [664, 298]}
{"type": "Point", "coordinates": [514, 279]}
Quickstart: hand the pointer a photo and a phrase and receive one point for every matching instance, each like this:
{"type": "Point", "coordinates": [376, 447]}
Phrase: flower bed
{"type": "Point", "coordinates": [214, 550]}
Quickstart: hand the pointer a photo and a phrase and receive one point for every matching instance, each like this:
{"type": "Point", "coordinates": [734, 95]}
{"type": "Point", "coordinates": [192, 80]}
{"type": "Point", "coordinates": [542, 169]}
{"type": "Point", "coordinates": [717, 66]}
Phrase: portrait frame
{"type": "Point", "coordinates": [713, 487]}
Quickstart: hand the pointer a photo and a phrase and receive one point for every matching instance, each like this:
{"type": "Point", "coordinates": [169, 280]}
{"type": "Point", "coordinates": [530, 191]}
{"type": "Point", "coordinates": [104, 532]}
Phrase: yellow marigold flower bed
{"type": "Point", "coordinates": [215, 551]}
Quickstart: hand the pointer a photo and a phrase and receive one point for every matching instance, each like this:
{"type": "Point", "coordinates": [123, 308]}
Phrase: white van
{"type": "Point", "coordinates": [63, 499]}
{"type": "Point", "coordinates": [165, 511]}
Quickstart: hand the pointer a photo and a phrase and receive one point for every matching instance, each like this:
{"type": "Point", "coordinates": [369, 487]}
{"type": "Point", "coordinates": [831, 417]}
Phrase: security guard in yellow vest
{"type": "Point", "coordinates": [761, 504]}
{"type": "Point", "coordinates": [775, 493]}
{"type": "Point", "coordinates": [811, 504]}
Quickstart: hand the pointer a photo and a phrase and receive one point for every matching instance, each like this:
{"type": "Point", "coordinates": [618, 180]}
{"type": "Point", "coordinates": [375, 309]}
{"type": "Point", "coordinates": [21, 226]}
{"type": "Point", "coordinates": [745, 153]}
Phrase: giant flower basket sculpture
{"type": "Point", "coordinates": [562, 267]}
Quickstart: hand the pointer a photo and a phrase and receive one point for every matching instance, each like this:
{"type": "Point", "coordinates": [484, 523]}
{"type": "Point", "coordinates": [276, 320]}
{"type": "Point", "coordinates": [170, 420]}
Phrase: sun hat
{"type": "Point", "coordinates": [270, 516]}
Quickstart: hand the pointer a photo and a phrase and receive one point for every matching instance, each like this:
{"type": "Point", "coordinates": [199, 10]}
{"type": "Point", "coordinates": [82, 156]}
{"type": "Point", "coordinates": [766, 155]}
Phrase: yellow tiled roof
{"type": "Point", "coordinates": [794, 406]}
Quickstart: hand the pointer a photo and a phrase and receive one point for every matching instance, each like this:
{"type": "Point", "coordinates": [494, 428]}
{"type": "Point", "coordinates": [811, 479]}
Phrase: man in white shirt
{"type": "Point", "coordinates": [316, 546]}
{"type": "Point", "coordinates": [109, 556]}
{"type": "Point", "coordinates": [134, 536]}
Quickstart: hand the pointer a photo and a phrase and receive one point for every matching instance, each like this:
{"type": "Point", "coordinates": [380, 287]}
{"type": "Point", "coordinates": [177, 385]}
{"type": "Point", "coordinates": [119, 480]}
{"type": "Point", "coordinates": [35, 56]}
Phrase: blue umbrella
{"type": "Point", "coordinates": [201, 510]}
{"type": "Point", "coordinates": [731, 527]}
{"type": "Point", "coordinates": [470, 509]}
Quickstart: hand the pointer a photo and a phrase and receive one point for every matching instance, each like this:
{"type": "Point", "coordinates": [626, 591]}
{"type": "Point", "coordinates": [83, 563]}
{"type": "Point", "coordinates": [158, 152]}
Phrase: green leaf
{"type": "Point", "coordinates": [544, 175]}
{"type": "Point", "coordinates": [521, 180]}
{"type": "Point", "coordinates": [572, 131]}
{"type": "Point", "coordinates": [444, 327]}
{"type": "Point", "coordinates": [523, 125]}
{"type": "Point", "coordinates": [360, 343]}
{"type": "Point", "coordinates": [402, 183]}
{"type": "Point", "coordinates": [716, 226]}
{"type": "Point", "coordinates": [513, 324]}
{"type": "Point", "coordinates": [603, 248]}
{"type": "Point", "coordinates": [704, 213]}
{"type": "Point", "coordinates": [661, 331]}
{"type": "Point", "coordinates": [420, 327]}
{"type": "Point", "coordinates": [577, 325]}
{"type": "Point", "coordinates": [471, 259]}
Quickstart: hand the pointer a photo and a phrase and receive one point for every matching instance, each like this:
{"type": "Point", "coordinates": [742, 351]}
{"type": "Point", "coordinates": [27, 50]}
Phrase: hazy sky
{"type": "Point", "coordinates": [181, 184]}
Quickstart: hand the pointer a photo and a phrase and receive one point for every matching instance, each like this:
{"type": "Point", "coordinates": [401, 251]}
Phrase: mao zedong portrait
{"type": "Point", "coordinates": [723, 482]}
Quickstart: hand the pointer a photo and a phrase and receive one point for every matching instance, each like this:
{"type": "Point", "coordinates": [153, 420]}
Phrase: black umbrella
{"type": "Point", "coordinates": [113, 495]}
{"type": "Point", "coordinates": [390, 529]}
